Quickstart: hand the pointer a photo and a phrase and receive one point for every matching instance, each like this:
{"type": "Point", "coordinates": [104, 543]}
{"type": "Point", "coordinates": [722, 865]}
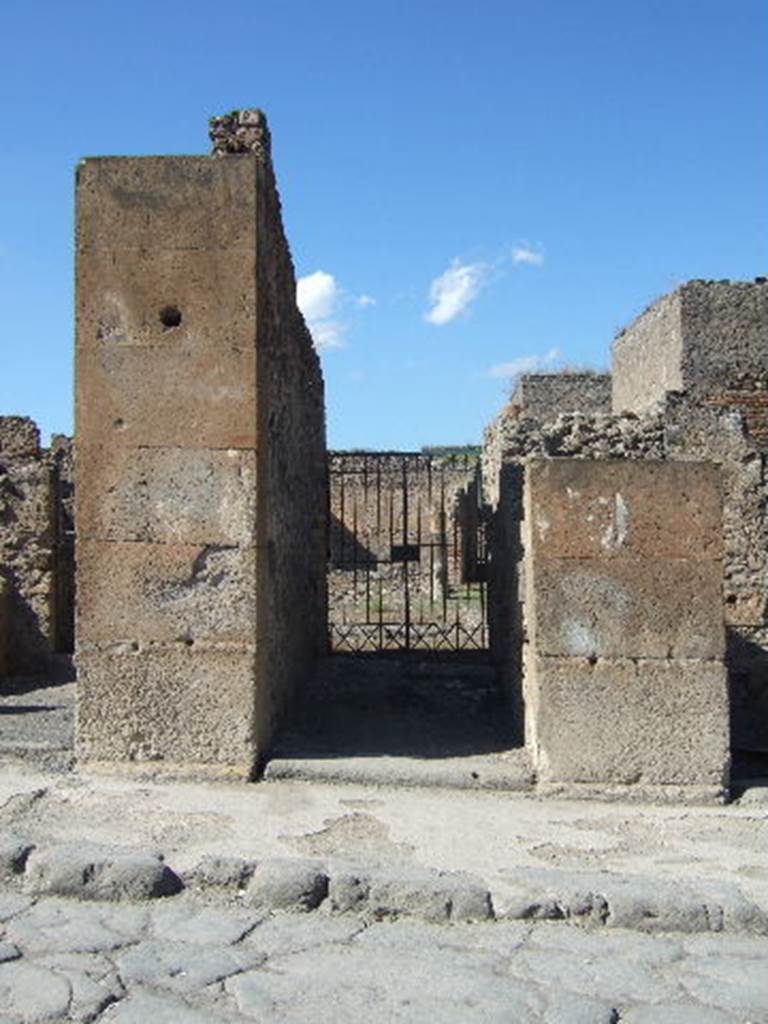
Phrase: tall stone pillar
{"type": "Point", "coordinates": [625, 684]}
{"type": "Point", "coordinates": [200, 475]}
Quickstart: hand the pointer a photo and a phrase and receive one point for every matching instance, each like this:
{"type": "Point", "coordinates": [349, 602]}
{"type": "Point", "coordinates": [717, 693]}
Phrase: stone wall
{"type": "Point", "coordinates": [543, 396]}
{"type": "Point", "coordinates": [706, 423]}
{"type": "Point", "coordinates": [200, 461]}
{"type": "Point", "coordinates": [28, 547]}
{"type": "Point", "coordinates": [291, 471]}
{"type": "Point", "coordinates": [625, 683]}
{"type": "Point", "coordinates": [708, 338]}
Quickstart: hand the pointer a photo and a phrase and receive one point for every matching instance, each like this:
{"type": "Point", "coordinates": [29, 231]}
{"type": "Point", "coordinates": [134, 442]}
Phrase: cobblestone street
{"type": "Point", "coordinates": [180, 962]}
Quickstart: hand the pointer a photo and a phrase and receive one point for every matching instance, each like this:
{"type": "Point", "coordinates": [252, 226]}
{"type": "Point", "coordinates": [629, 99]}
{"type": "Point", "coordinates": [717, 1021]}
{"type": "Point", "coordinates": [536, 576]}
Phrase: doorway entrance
{"type": "Point", "coordinates": [407, 560]}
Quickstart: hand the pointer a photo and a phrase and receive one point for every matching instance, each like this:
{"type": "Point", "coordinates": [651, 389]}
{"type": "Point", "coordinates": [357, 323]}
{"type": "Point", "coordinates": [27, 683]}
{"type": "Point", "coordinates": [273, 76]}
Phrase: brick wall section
{"type": "Point", "coordinates": [625, 682]}
{"type": "Point", "coordinates": [200, 456]}
{"type": "Point", "coordinates": [27, 547]}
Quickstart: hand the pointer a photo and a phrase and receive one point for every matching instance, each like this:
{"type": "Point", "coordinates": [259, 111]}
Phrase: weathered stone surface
{"type": "Point", "coordinates": [143, 1005]}
{"type": "Point", "coordinates": [54, 926]}
{"type": "Point", "coordinates": [8, 952]}
{"type": "Point", "coordinates": [624, 677]}
{"type": "Point", "coordinates": [168, 495]}
{"type": "Point", "coordinates": [628, 721]}
{"type": "Point", "coordinates": [13, 856]}
{"type": "Point", "coordinates": [93, 980]}
{"type": "Point", "coordinates": [99, 874]}
{"type": "Point", "coordinates": [184, 967]}
{"type": "Point", "coordinates": [583, 509]}
{"type": "Point", "coordinates": [214, 872]}
{"type": "Point", "coordinates": [632, 902]}
{"type": "Point", "coordinates": [196, 375]}
{"type": "Point", "coordinates": [166, 592]}
{"type": "Point", "coordinates": [144, 203]}
{"type": "Point", "coordinates": [430, 896]}
{"type": "Point", "coordinates": [30, 993]}
{"type": "Point", "coordinates": [659, 608]}
{"type": "Point", "coordinates": [174, 922]}
{"type": "Point", "coordinates": [168, 704]}
{"type": "Point", "coordinates": [282, 884]}
{"type": "Point", "coordinates": [674, 1013]}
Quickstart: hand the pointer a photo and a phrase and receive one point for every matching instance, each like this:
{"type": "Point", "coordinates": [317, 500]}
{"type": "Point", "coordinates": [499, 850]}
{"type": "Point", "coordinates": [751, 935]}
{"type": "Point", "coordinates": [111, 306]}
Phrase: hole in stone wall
{"type": "Point", "coordinates": [170, 316]}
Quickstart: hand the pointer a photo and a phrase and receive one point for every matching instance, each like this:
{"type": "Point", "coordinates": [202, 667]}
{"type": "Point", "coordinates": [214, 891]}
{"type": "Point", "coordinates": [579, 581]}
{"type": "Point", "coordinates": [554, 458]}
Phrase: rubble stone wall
{"type": "Point", "coordinates": [28, 547]}
{"type": "Point", "coordinates": [625, 683]}
{"type": "Point", "coordinates": [545, 395]}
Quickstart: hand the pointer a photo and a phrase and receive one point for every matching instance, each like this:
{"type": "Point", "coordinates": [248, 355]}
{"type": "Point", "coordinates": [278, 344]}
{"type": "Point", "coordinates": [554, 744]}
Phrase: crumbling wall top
{"type": "Point", "coordinates": [241, 131]}
{"type": "Point", "coordinates": [19, 437]}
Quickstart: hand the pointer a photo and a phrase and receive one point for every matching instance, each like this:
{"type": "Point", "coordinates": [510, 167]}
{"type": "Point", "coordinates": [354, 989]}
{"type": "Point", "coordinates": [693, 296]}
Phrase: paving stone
{"type": "Point", "coordinates": [221, 873]}
{"type": "Point", "coordinates": [290, 934]}
{"type": "Point", "coordinates": [184, 967]}
{"type": "Point", "coordinates": [628, 901]}
{"type": "Point", "coordinates": [99, 873]}
{"type": "Point", "coordinates": [431, 896]}
{"type": "Point", "coordinates": [728, 983]}
{"type": "Point", "coordinates": [285, 884]}
{"type": "Point", "coordinates": [66, 926]}
{"type": "Point", "coordinates": [204, 925]}
{"type": "Point", "coordinates": [30, 993]}
{"type": "Point", "coordinates": [720, 944]}
{"type": "Point", "coordinates": [651, 950]}
{"type": "Point", "coordinates": [93, 981]}
{"type": "Point", "coordinates": [142, 1007]}
{"type": "Point", "coordinates": [672, 1013]}
{"type": "Point", "coordinates": [501, 937]}
{"type": "Point", "coordinates": [614, 979]}
{"type": "Point", "coordinates": [8, 951]}
{"type": "Point", "coordinates": [13, 856]}
{"type": "Point", "coordinates": [399, 985]}
{"type": "Point", "coordinates": [12, 904]}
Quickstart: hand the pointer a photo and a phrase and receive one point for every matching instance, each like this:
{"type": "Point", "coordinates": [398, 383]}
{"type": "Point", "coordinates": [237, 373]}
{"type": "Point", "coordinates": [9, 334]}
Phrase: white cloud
{"type": "Point", "coordinates": [526, 254]}
{"type": "Point", "coordinates": [365, 300]}
{"type": "Point", "coordinates": [317, 295]}
{"type": "Point", "coordinates": [452, 291]}
{"type": "Point", "coordinates": [524, 364]}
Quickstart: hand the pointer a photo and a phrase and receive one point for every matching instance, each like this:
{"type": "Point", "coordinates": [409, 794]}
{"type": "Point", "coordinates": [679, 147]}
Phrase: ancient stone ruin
{"type": "Point", "coordinates": [606, 551]}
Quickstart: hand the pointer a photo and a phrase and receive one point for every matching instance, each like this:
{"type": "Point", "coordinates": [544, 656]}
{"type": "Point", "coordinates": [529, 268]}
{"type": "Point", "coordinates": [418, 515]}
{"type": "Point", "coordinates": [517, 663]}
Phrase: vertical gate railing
{"type": "Point", "coordinates": [407, 552]}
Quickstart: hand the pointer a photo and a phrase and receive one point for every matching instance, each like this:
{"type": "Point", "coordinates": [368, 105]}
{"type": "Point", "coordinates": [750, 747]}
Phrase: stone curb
{"type": "Point", "coordinates": [274, 885]}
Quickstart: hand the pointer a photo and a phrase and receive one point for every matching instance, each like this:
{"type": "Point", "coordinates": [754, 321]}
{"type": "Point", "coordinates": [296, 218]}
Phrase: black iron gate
{"type": "Point", "coordinates": [407, 552]}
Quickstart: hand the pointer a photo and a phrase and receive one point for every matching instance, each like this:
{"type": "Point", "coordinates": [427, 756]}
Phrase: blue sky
{"type": "Point", "coordinates": [468, 190]}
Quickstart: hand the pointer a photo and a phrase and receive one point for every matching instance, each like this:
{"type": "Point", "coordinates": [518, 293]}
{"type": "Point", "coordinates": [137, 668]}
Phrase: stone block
{"type": "Point", "coordinates": [629, 607]}
{"type": "Point", "coordinates": [631, 721]}
{"type": "Point", "coordinates": [167, 495]}
{"type": "Point", "coordinates": [145, 592]}
{"type": "Point", "coordinates": [602, 509]}
{"type": "Point", "coordinates": [168, 704]}
{"type": "Point", "coordinates": [189, 202]}
{"type": "Point", "coordinates": [99, 873]}
{"type": "Point", "coordinates": [283, 884]}
{"type": "Point", "coordinates": [145, 379]}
